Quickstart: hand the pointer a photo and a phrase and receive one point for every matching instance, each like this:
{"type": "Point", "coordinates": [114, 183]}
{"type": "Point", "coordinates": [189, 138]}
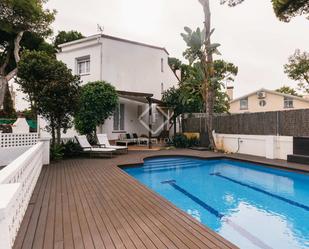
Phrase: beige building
{"type": "Point", "coordinates": [265, 100]}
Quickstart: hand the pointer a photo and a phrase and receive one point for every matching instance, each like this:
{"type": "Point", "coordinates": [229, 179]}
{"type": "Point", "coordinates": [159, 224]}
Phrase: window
{"type": "Point", "coordinates": [262, 103]}
{"type": "Point", "coordinates": [288, 102]}
{"type": "Point", "coordinates": [83, 65]}
{"type": "Point", "coordinates": [119, 118]}
{"type": "Point", "coordinates": [162, 65]}
{"type": "Point", "coordinates": [244, 104]}
{"type": "Point", "coordinates": [162, 88]}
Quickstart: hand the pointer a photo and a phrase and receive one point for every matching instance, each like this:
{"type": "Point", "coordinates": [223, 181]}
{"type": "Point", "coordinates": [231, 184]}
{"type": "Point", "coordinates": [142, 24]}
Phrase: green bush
{"type": "Point", "coordinates": [71, 149]}
{"type": "Point", "coordinates": [181, 141]}
{"type": "Point", "coordinates": [56, 152]}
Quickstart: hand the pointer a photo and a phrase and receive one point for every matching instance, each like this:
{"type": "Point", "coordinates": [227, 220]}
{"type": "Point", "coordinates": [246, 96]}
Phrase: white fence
{"type": "Point", "coordinates": [18, 139]}
{"type": "Point", "coordinates": [17, 182]}
{"type": "Point", "coordinates": [272, 147]}
{"type": "Point", "coordinates": [13, 145]}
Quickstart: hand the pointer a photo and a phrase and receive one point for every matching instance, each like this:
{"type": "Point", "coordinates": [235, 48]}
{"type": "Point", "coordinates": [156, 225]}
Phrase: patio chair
{"type": "Point", "coordinates": [104, 142]}
{"type": "Point", "coordinates": [126, 140]}
{"type": "Point", "coordinates": [87, 148]}
{"type": "Point", "coordinates": [140, 140]}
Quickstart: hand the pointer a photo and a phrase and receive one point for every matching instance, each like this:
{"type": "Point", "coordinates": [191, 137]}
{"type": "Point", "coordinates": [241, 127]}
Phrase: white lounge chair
{"type": "Point", "coordinates": [87, 148]}
{"type": "Point", "coordinates": [104, 142]}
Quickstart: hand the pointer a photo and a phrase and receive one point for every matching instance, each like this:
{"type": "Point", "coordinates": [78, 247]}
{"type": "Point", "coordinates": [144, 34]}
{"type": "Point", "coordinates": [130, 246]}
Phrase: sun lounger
{"type": "Point", "coordinates": [87, 148]}
{"type": "Point", "coordinates": [104, 142]}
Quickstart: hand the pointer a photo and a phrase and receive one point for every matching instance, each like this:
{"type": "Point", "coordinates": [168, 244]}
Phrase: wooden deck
{"type": "Point", "coordinates": [91, 203]}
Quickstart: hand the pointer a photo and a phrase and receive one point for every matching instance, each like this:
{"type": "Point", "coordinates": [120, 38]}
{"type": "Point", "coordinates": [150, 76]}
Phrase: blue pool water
{"type": "Point", "coordinates": [250, 205]}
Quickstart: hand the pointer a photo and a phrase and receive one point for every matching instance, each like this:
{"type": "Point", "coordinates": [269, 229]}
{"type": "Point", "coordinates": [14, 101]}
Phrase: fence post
{"type": "Point", "coordinates": [46, 147]}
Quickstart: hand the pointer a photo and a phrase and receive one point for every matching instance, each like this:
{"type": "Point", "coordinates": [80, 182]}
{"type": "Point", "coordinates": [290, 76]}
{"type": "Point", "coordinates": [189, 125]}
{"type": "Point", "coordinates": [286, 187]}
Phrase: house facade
{"type": "Point", "coordinates": [265, 100]}
{"type": "Point", "coordinates": [138, 71]}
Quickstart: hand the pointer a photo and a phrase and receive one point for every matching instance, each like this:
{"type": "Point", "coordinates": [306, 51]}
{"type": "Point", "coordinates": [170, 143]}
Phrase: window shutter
{"type": "Point", "coordinates": [122, 117]}
{"type": "Point", "coordinates": [116, 119]}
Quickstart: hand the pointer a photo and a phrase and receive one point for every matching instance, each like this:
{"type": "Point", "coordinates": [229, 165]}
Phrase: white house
{"type": "Point", "coordinates": [140, 72]}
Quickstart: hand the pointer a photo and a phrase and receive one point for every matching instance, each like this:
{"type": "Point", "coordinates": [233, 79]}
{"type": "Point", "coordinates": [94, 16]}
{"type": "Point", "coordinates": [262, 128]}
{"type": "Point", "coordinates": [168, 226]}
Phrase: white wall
{"type": "Point", "coordinates": [273, 147]}
{"type": "Point", "coordinates": [127, 66]}
{"type": "Point", "coordinates": [17, 182]}
{"type": "Point", "coordinates": [131, 67]}
{"type": "Point", "coordinates": [8, 155]}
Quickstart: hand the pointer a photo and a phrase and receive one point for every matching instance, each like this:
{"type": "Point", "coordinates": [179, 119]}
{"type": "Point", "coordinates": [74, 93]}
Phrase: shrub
{"type": "Point", "coordinates": [71, 149]}
{"type": "Point", "coordinates": [181, 141]}
{"type": "Point", "coordinates": [56, 152]}
{"type": "Point", "coordinates": [97, 102]}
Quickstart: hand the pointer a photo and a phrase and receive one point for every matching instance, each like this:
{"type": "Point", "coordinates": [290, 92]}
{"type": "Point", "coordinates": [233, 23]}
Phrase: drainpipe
{"type": "Point", "coordinates": [101, 57]}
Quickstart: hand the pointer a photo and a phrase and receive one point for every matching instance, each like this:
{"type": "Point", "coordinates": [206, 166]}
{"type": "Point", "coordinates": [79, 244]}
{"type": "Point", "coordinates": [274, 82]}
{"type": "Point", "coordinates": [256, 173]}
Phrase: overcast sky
{"type": "Point", "coordinates": [250, 35]}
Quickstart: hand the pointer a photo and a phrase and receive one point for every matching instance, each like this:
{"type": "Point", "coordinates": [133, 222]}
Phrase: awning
{"type": "Point", "coordinates": [145, 98]}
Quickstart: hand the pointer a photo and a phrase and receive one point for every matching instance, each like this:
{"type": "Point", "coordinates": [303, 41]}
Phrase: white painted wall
{"type": "Point", "coordinates": [128, 67]}
{"type": "Point", "coordinates": [273, 147]}
{"type": "Point", "coordinates": [17, 182]}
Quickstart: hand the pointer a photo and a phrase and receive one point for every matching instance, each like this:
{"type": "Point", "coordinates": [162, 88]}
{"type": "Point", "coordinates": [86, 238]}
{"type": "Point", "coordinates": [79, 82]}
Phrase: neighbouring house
{"type": "Point", "coordinates": [264, 100]}
{"type": "Point", "coordinates": [139, 72]}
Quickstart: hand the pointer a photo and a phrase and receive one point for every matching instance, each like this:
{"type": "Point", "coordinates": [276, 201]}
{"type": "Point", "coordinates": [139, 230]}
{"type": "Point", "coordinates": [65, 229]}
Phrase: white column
{"type": "Point", "coordinates": [46, 148]}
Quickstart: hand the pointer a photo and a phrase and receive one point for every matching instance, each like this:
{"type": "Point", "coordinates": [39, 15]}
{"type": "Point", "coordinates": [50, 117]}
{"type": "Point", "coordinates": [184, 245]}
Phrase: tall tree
{"type": "Point", "coordinates": [52, 90]}
{"type": "Point", "coordinates": [288, 90]}
{"type": "Point", "coordinates": [66, 36]}
{"type": "Point", "coordinates": [297, 69]}
{"type": "Point", "coordinates": [17, 17]}
{"type": "Point", "coordinates": [286, 9]}
{"type": "Point", "coordinates": [200, 48]}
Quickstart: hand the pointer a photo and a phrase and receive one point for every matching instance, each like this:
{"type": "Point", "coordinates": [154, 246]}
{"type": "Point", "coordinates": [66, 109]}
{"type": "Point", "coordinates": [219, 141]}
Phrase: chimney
{"type": "Point", "coordinates": [230, 92]}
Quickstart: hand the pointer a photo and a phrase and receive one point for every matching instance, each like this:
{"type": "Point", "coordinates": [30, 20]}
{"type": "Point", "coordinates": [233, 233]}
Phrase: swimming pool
{"type": "Point", "coordinates": [248, 204]}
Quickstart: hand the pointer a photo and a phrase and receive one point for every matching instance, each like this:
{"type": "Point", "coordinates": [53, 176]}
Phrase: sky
{"type": "Point", "coordinates": [250, 34]}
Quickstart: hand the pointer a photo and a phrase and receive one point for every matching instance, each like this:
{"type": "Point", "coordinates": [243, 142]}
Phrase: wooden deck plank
{"type": "Point", "coordinates": [58, 227]}
{"type": "Point", "coordinates": [93, 239]}
{"type": "Point", "coordinates": [162, 224]}
{"type": "Point", "coordinates": [83, 223]}
{"type": "Point", "coordinates": [28, 240]}
{"type": "Point", "coordinates": [91, 203]}
{"type": "Point", "coordinates": [116, 214]}
{"type": "Point", "coordinates": [107, 196]}
{"type": "Point", "coordinates": [164, 219]}
{"type": "Point", "coordinates": [40, 230]}
{"type": "Point", "coordinates": [107, 240]}
{"type": "Point", "coordinates": [183, 221]}
{"type": "Point", "coordinates": [68, 237]}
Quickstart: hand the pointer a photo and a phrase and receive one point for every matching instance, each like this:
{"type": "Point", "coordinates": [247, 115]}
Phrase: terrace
{"type": "Point", "coordinates": [92, 203]}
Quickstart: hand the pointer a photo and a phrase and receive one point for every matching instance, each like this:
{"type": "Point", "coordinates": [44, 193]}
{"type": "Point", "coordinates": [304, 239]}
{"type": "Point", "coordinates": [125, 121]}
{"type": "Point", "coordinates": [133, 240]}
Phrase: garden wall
{"type": "Point", "coordinates": [283, 123]}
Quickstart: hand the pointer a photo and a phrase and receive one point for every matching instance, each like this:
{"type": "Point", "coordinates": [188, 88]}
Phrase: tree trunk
{"type": "Point", "coordinates": [3, 86]}
{"type": "Point", "coordinates": [58, 135]}
{"type": "Point", "coordinates": [207, 62]}
{"type": "Point", "coordinates": [52, 126]}
{"type": "Point", "coordinates": [4, 79]}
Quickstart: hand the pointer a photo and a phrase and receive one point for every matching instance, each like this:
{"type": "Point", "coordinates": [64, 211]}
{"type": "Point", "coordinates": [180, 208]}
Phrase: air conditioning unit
{"type": "Point", "coordinates": [261, 94]}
